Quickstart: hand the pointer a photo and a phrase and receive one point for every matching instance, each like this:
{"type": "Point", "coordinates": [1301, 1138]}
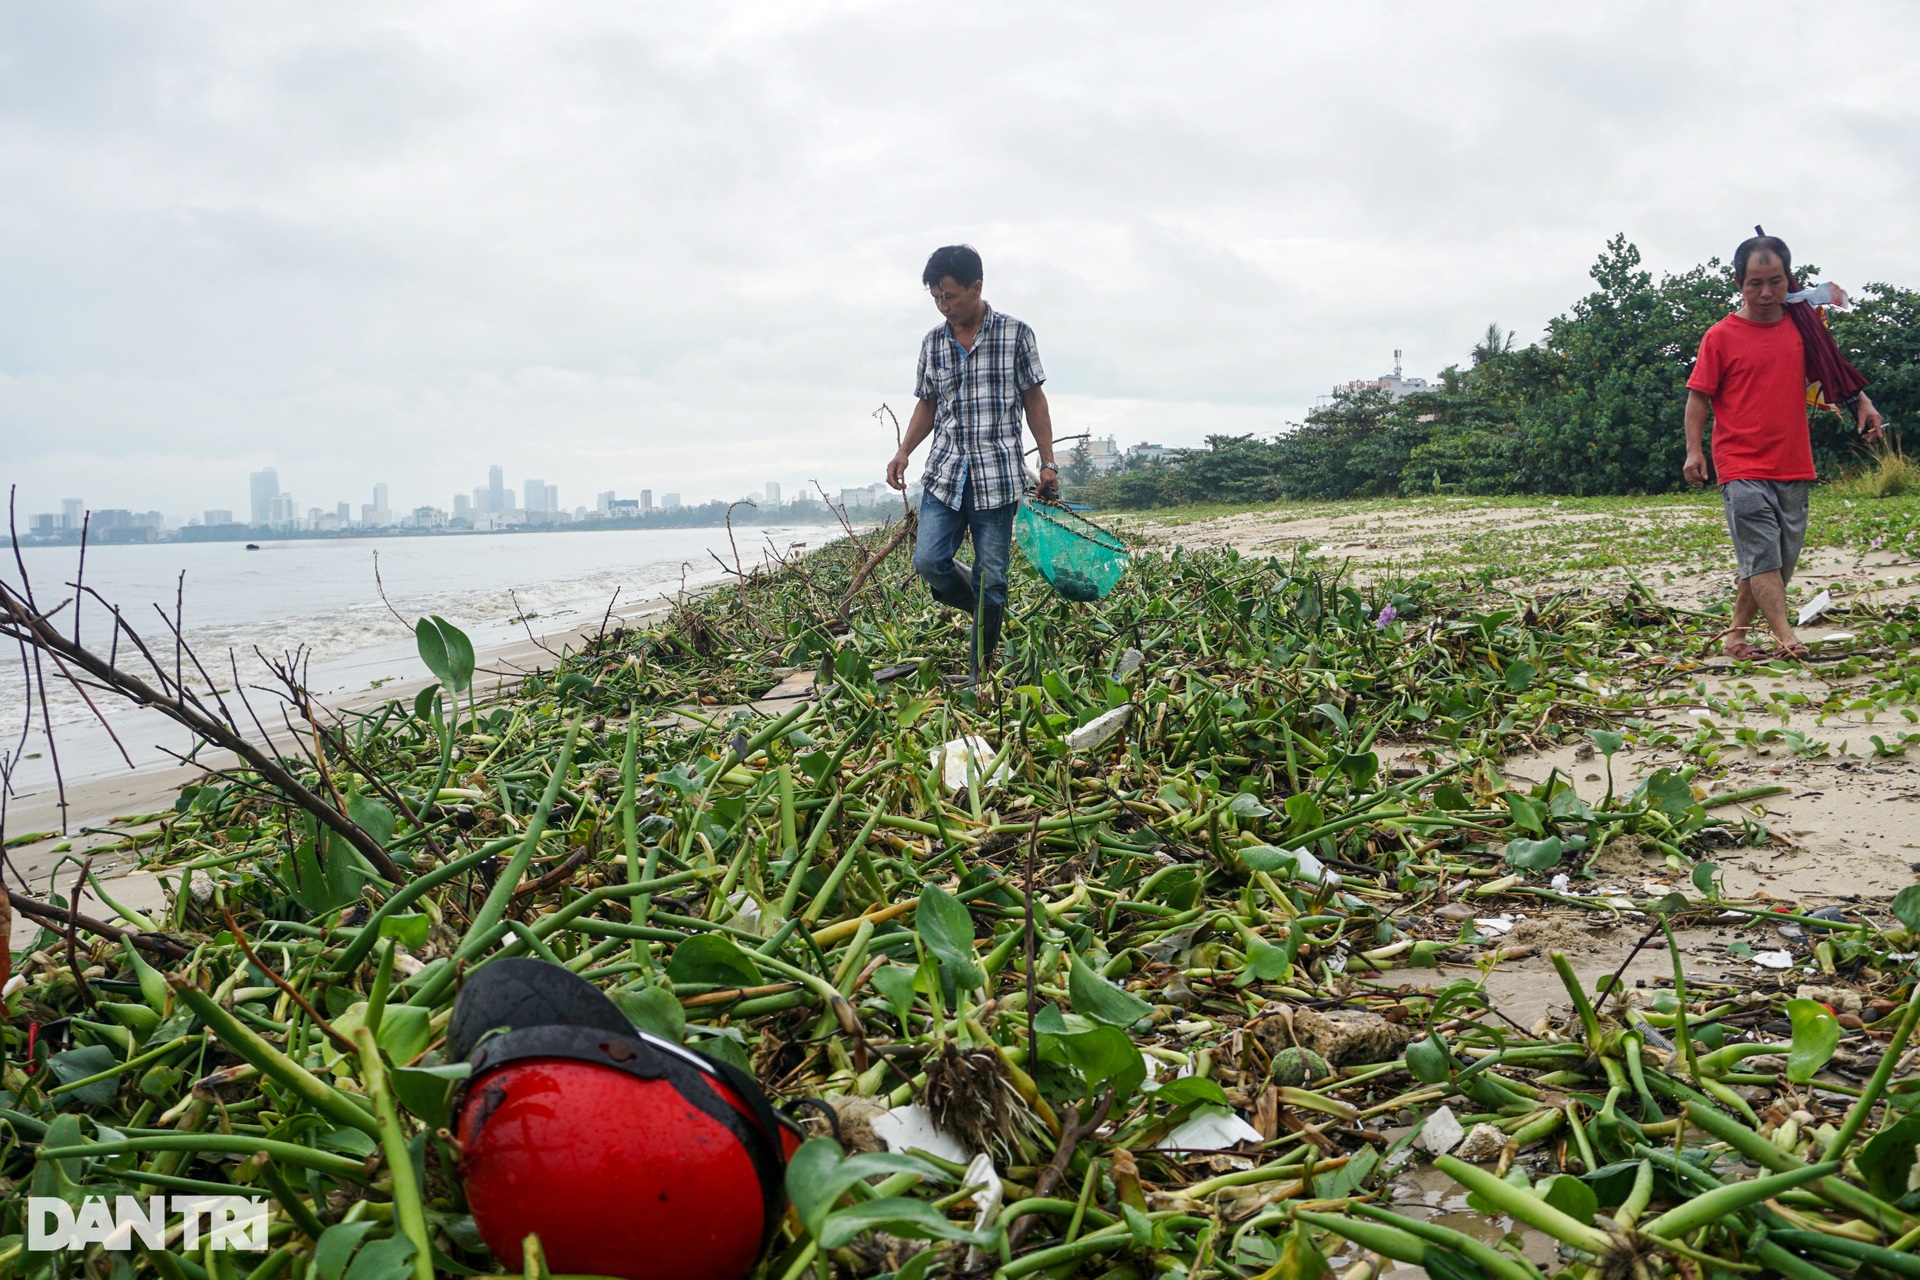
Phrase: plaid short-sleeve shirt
{"type": "Point", "coordinates": [977, 410]}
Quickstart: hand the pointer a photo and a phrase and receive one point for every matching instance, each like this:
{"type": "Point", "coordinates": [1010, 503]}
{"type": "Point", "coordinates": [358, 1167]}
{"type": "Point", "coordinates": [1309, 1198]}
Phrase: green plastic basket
{"type": "Point", "coordinates": [1078, 558]}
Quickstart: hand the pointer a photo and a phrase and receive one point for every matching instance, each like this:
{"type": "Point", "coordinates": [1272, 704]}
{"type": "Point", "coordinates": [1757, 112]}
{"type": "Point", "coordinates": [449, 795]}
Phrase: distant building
{"type": "Point", "coordinates": [428, 518]}
{"type": "Point", "coordinates": [603, 502]}
{"type": "Point", "coordinates": [536, 491]}
{"type": "Point", "coordinates": [73, 513]}
{"type": "Point", "coordinates": [44, 524]}
{"type": "Point", "coordinates": [343, 512]}
{"type": "Point", "coordinates": [496, 494]}
{"type": "Point", "coordinates": [263, 487]}
{"type": "Point", "coordinates": [1103, 455]}
{"type": "Point", "coordinates": [773, 494]}
{"type": "Point", "coordinates": [668, 501]}
{"type": "Point", "coordinates": [623, 508]}
{"type": "Point", "coordinates": [462, 508]}
{"type": "Point", "coordinates": [552, 500]}
{"type": "Point", "coordinates": [217, 516]}
{"type": "Point", "coordinates": [366, 515]}
{"type": "Point", "coordinates": [282, 514]}
{"type": "Point", "coordinates": [1144, 452]}
{"type": "Point", "coordinates": [1396, 386]}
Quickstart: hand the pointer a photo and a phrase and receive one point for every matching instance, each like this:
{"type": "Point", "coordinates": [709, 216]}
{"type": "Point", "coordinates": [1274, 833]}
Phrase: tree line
{"type": "Point", "coordinates": [1593, 408]}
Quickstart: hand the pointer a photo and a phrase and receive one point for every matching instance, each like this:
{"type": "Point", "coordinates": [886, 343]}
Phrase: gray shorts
{"type": "Point", "coordinates": [1768, 520]}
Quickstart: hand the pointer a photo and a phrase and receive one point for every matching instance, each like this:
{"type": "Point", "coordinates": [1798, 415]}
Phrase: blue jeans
{"type": "Point", "coordinates": [941, 529]}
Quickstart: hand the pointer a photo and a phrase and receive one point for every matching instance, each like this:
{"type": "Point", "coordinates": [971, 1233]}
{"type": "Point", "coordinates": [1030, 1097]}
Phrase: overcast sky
{"type": "Point", "coordinates": [678, 245]}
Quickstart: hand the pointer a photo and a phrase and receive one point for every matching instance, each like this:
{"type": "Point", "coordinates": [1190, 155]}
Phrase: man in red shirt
{"type": "Point", "coordinates": [1751, 374]}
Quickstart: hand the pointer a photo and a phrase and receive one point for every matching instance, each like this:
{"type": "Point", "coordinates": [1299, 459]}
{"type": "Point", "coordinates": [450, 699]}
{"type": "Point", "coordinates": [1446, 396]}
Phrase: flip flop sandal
{"type": "Point", "coordinates": [1744, 652]}
{"type": "Point", "coordinates": [1796, 652]}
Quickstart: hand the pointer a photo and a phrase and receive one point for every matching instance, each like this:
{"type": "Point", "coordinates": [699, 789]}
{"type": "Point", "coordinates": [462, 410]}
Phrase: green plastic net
{"type": "Point", "coordinates": [1077, 557]}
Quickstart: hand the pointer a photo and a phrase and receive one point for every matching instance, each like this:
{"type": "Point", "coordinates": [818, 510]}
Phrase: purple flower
{"type": "Point", "coordinates": [1387, 614]}
{"type": "Point", "coordinates": [1876, 544]}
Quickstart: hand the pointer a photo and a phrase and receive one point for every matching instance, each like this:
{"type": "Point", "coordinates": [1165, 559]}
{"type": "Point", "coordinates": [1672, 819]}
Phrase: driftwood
{"type": "Point", "coordinates": [176, 700]}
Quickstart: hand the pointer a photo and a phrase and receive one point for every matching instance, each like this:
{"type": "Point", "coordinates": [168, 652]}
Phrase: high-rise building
{"type": "Point", "coordinates": [497, 493]}
{"type": "Point", "coordinates": [343, 512]}
{"type": "Point", "coordinates": [282, 513]}
{"type": "Point", "coordinates": [217, 516]}
{"type": "Point", "coordinates": [603, 502]}
{"type": "Point", "coordinates": [366, 515]}
{"type": "Point", "coordinates": [73, 512]}
{"type": "Point", "coordinates": [382, 513]}
{"type": "Point", "coordinates": [773, 494]}
{"type": "Point", "coordinates": [263, 488]}
{"type": "Point", "coordinates": [462, 509]}
{"type": "Point", "coordinates": [668, 501]}
{"type": "Point", "coordinates": [552, 498]}
{"type": "Point", "coordinates": [536, 495]}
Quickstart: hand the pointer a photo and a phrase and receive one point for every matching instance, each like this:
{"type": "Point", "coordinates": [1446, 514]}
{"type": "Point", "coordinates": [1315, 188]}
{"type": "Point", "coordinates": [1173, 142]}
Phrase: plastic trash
{"type": "Point", "coordinates": [1442, 1133]}
{"type": "Point", "coordinates": [980, 1173]}
{"type": "Point", "coordinates": [1210, 1130]}
{"type": "Point", "coordinates": [1090, 735]}
{"type": "Point", "coordinates": [1129, 663]}
{"type": "Point", "coordinates": [1815, 607]}
{"type": "Point", "coordinates": [1298, 864]}
{"type": "Point", "coordinates": [1824, 294]}
{"type": "Point", "coordinates": [965, 760]}
{"type": "Point", "coordinates": [912, 1126]}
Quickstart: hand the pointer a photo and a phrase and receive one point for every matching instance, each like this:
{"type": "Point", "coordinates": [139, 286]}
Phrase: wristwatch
{"type": "Point", "coordinates": [1048, 466]}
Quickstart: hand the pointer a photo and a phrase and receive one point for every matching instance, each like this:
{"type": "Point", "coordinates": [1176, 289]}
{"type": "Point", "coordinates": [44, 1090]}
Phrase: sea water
{"type": "Point", "coordinates": [320, 598]}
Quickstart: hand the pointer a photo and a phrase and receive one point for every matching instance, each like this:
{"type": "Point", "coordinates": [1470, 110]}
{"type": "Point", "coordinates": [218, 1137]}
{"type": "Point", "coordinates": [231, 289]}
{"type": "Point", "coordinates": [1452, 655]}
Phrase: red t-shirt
{"type": "Point", "coordinates": [1756, 375]}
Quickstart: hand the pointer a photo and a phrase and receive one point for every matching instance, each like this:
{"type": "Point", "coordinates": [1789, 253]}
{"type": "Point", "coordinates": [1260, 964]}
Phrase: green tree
{"type": "Point", "coordinates": [1605, 412]}
{"type": "Point", "coordinates": [1881, 335]}
{"type": "Point", "coordinates": [1079, 468]}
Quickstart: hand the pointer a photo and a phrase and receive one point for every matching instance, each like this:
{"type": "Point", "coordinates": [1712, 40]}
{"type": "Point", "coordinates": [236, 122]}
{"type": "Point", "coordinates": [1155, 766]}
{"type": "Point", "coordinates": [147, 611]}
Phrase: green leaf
{"type": "Point", "coordinates": [1300, 1258]}
{"type": "Point", "coordinates": [1668, 792]}
{"type": "Point", "coordinates": [895, 982]}
{"type": "Point", "coordinates": [900, 1216]}
{"type": "Point", "coordinates": [1535, 855]}
{"type": "Point", "coordinates": [446, 651]}
{"type": "Point", "coordinates": [654, 1010]}
{"type": "Point", "coordinates": [1570, 1196]}
{"type": "Point", "coordinates": [712, 957]}
{"type": "Point", "coordinates": [1703, 874]}
{"type": "Point", "coordinates": [946, 927]}
{"type": "Point", "coordinates": [1528, 814]}
{"type": "Point", "coordinates": [1887, 1159]}
{"type": "Point", "coordinates": [1334, 715]}
{"type": "Point", "coordinates": [336, 1246]}
{"type": "Point", "coordinates": [1429, 1061]}
{"type": "Point", "coordinates": [1360, 767]}
{"type": "Point", "coordinates": [372, 817]}
{"type": "Point", "coordinates": [1268, 963]}
{"type": "Point", "coordinates": [389, 1259]}
{"type": "Point", "coordinates": [1816, 1034]}
{"type": "Point", "coordinates": [427, 1092]}
{"type": "Point", "coordinates": [410, 931]}
{"type": "Point", "coordinates": [1138, 1224]}
{"type": "Point", "coordinates": [1606, 741]}
{"type": "Point", "coordinates": [1191, 1089]}
{"type": "Point", "coordinates": [1101, 1000]}
{"type": "Point", "coordinates": [1247, 806]}
{"type": "Point", "coordinates": [1906, 908]}
{"type": "Point", "coordinates": [819, 1174]}
{"type": "Point", "coordinates": [1450, 797]}
{"type": "Point", "coordinates": [1179, 887]}
{"type": "Point", "coordinates": [1305, 812]}
{"type": "Point", "coordinates": [1104, 1056]}
{"type": "Point", "coordinates": [1519, 676]}
{"type": "Point", "coordinates": [78, 1064]}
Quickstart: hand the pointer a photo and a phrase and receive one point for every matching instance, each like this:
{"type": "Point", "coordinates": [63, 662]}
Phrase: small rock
{"type": "Point", "coordinates": [1455, 911]}
{"type": "Point", "coordinates": [1839, 999]}
{"type": "Point", "coordinates": [1483, 1143]}
{"type": "Point", "coordinates": [1295, 1067]}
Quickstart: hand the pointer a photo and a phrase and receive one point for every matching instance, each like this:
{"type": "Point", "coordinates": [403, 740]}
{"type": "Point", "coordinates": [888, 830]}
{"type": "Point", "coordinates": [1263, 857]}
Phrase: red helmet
{"type": "Point", "coordinates": [629, 1155]}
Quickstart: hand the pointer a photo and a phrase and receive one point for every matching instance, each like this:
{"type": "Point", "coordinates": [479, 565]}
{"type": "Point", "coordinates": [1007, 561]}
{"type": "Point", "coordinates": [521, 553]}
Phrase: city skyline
{"type": "Point", "coordinates": [497, 504]}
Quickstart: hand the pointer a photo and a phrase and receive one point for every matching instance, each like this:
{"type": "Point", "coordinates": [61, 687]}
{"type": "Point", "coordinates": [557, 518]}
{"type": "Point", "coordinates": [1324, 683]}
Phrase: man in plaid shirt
{"type": "Point", "coordinates": [978, 373]}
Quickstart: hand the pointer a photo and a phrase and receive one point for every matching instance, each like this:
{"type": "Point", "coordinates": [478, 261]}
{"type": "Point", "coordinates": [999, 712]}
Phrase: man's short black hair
{"type": "Point", "coordinates": [961, 261]}
{"type": "Point", "coordinates": [1761, 242]}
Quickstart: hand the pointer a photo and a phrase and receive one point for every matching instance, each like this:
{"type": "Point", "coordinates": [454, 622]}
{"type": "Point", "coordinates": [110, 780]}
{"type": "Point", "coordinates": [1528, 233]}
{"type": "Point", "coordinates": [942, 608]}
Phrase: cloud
{"type": "Point", "coordinates": [678, 246]}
